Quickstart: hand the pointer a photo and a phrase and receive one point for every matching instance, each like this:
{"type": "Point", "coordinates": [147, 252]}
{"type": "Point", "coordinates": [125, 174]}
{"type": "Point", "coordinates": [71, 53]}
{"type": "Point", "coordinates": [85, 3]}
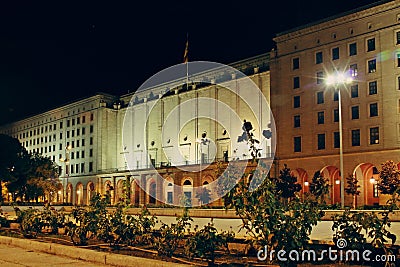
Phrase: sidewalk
{"type": "Point", "coordinates": [16, 257]}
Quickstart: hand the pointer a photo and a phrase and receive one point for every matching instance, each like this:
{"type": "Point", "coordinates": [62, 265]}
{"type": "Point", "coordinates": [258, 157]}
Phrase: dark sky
{"type": "Point", "coordinates": [53, 52]}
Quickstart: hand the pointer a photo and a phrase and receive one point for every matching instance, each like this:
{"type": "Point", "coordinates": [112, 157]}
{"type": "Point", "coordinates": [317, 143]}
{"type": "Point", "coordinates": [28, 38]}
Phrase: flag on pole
{"type": "Point", "coordinates": [186, 54]}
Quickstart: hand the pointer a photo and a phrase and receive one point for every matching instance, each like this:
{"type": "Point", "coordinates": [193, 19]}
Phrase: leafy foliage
{"type": "Point", "coordinates": [319, 186]}
{"type": "Point", "coordinates": [389, 182]}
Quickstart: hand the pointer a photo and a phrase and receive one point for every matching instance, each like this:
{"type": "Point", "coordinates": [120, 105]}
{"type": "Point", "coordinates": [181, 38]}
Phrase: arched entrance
{"type": "Point", "coordinates": [332, 174]}
{"type": "Point", "coordinates": [188, 190]}
{"type": "Point", "coordinates": [367, 175]}
{"type": "Point", "coordinates": [152, 189]}
{"type": "Point", "coordinates": [302, 179]}
{"type": "Point", "coordinates": [69, 193]}
{"type": "Point", "coordinates": [135, 192]}
{"type": "Point", "coordinates": [90, 192]}
{"type": "Point", "coordinates": [120, 192]}
{"type": "Point", "coordinates": [169, 190]}
{"type": "Point", "coordinates": [79, 194]}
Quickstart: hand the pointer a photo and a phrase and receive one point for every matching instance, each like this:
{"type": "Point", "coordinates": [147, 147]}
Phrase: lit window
{"type": "Point", "coordinates": [374, 135]}
{"type": "Point", "coordinates": [353, 70]}
{"type": "Point", "coordinates": [371, 65]}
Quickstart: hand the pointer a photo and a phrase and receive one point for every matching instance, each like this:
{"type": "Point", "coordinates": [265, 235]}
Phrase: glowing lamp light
{"type": "Point", "coordinates": [372, 180]}
{"type": "Point", "coordinates": [306, 183]}
{"type": "Point", "coordinates": [78, 192]}
{"type": "Point", "coordinates": [59, 192]}
{"type": "Point", "coordinates": [337, 181]}
{"type": "Point", "coordinates": [338, 78]}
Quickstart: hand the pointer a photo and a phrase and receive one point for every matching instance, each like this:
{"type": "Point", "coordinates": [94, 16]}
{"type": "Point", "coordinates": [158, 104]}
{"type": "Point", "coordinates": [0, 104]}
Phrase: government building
{"type": "Point", "coordinates": [120, 144]}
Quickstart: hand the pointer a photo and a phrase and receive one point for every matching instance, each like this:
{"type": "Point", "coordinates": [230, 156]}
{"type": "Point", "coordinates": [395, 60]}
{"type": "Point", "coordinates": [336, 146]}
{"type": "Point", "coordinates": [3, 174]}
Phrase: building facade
{"type": "Point", "coordinates": [363, 46]}
{"type": "Point", "coordinates": [104, 143]}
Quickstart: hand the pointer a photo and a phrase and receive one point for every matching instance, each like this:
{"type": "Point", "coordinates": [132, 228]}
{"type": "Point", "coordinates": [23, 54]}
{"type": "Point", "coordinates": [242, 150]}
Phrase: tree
{"type": "Point", "coordinates": [352, 188]}
{"type": "Point", "coordinates": [389, 182]}
{"type": "Point", "coordinates": [286, 184]}
{"type": "Point", "coordinates": [10, 155]}
{"type": "Point", "coordinates": [319, 186]}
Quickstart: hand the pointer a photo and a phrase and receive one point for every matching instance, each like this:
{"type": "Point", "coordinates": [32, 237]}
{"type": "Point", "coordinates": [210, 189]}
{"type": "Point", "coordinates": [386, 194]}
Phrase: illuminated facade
{"type": "Point", "coordinates": [85, 137]}
{"type": "Point", "coordinates": [365, 46]}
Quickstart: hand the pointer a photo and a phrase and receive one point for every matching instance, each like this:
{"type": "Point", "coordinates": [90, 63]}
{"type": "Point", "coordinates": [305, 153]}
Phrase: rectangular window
{"type": "Point", "coordinates": [353, 49]}
{"type": "Point", "coordinates": [296, 121]}
{"type": "Point", "coordinates": [355, 112]}
{"type": "Point", "coordinates": [61, 124]}
{"type": "Point", "coordinates": [336, 140]}
{"type": "Point", "coordinates": [372, 66]}
{"type": "Point", "coordinates": [296, 82]}
{"type": "Point", "coordinates": [91, 116]}
{"type": "Point", "coordinates": [72, 155]}
{"type": "Point", "coordinates": [321, 141]}
{"type": "Point", "coordinates": [77, 154]}
{"type": "Point", "coordinates": [398, 37]}
{"type": "Point", "coordinates": [61, 136]}
{"type": "Point", "coordinates": [335, 115]}
{"type": "Point", "coordinates": [77, 168]}
{"type": "Point", "coordinates": [83, 130]}
{"type": "Point", "coordinates": [169, 198]}
{"type": "Point", "coordinates": [353, 70]}
{"type": "Point", "coordinates": [83, 142]}
{"type": "Point", "coordinates": [398, 83]}
{"type": "Point", "coordinates": [373, 109]}
{"type": "Point", "coordinates": [72, 168]}
{"type": "Point", "coordinates": [78, 132]}
{"type": "Point", "coordinates": [336, 95]}
{"type": "Point", "coordinates": [78, 120]}
{"type": "Point", "coordinates": [374, 135]}
{"type": "Point", "coordinates": [82, 167]}
{"type": "Point", "coordinates": [398, 60]}
{"type": "Point", "coordinates": [91, 152]}
{"type": "Point", "coordinates": [355, 137]}
{"type": "Point", "coordinates": [91, 141]}
{"type": "Point", "coordinates": [320, 77]}
{"type": "Point", "coordinates": [68, 123]}
{"type": "Point", "coordinates": [320, 97]}
{"type": "Point", "coordinates": [90, 166]}
{"type": "Point", "coordinates": [319, 58]}
{"type": "Point", "coordinates": [297, 144]}
{"type": "Point", "coordinates": [73, 133]}
{"type": "Point", "coordinates": [91, 129]}
{"type": "Point", "coordinates": [371, 44]}
{"type": "Point", "coordinates": [296, 101]}
{"type": "Point", "coordinates": [83, 154]}
{"type": "Point", "coordinates": [321, 117]}
{"type": "Point", "coordinates": [354, 91]}
{"type": "Point", "coordinates": [373, 88]}
{"type": "Point", "coordinates": [67, 134]}
{"type": "Point", "coordinates": [73, 122]}
{"type": "Point", "coordinates": [83, 119]}
{"type": "Point", "coordinates": [296, 63]}
{"type": "Point", "coordinates": [335, 53]}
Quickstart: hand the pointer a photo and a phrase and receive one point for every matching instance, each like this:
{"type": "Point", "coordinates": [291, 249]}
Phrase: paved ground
{"type": "Point", "coordinates": [17, 257]}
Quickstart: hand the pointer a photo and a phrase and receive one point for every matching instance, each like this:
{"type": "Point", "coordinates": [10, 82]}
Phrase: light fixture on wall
{"type": "Point", "coordinates": [306, 183]}
{"type": "Point", "coordinates": [337, 181]}
{"type": "Point", "coordinates": [372, 180]}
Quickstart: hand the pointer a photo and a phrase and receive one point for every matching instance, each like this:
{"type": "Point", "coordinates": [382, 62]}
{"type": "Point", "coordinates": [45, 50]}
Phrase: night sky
{"type": "Point", "coordinates": [54, 52]}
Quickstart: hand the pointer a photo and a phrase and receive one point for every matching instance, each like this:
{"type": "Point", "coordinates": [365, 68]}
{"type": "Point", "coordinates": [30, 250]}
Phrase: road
{"type": "Point", "coordinates": [17, 257]}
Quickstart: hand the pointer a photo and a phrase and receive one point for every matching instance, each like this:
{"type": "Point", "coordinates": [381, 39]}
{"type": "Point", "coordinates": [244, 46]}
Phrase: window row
{"type": "Point", "coordinates": [352, 50]}
{"type": "Point", "coordinates": [355, 139]}
{"type": "Point", "coordinates": [78, 168]}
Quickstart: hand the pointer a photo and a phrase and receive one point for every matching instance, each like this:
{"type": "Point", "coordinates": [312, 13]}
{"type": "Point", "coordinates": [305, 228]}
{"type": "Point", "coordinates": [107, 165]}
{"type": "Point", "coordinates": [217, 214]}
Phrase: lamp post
{"type": "Point", "coordinates": [338, 80]}
{"type": "Point", "coordinates": [66, 163]}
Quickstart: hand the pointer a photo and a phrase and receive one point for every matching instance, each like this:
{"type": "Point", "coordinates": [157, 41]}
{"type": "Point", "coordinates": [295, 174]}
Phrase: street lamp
{"type": "Point", "coordinates": [337, 80]}
{"type": "Point", "coordinates": [66, 163]}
